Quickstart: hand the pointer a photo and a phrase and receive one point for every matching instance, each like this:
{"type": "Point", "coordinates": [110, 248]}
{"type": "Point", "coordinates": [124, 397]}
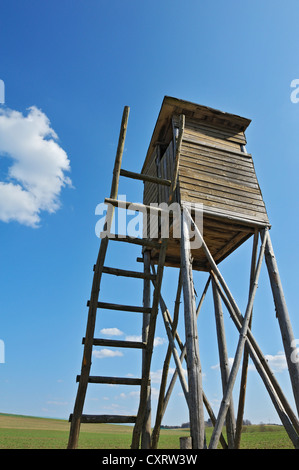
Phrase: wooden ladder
{"type": "Point", "coordinates": [77, 417]}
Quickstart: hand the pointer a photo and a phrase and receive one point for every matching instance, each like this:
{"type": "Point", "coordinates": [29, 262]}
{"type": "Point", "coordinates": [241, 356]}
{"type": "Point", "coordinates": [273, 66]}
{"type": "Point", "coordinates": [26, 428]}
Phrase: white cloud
{"type": "Point", "coordinates": [278, 362]}
{"type": "Point", "coordinates": [157, 341]}
{"type": "Point", "coordinates": [137, 338]}
{"type": "Point", "coordinates": [157, 375]}
{"type": "Point", "coordinates": [37, 168]}
{"type": "Point", "coordinates": [103, 353]}
{"type": "Point", "coordinates": [111, 332]}
{"type": "Point", "coordinates": [230, 363]}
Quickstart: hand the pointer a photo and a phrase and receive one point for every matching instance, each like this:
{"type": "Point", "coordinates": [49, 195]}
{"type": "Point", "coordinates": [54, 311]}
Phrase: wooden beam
{"type": "Point", "coordinates": [280, 402]}
{"type": "Point", "coordinates": [143, 177]}
{"type": "Point", "coordinates": [282, 314]}
{"type": "Point", "coordinates": [255, 352]}
{"type": "Point", "coordinates": [182, 357]}
{"type": "Point", "coordinates": [241, 404]}
{"type": "Point", "coordinates": [183, 349]}
{"type": "Point", "coordinates": [135, 241]}
{"type": "Point", "coordinates": [177, 159]}
{"type": "Point", "coordinates": [126, 273]}
{"type": "Point", "coordinates": [146, 425]}
{"type": "Point", "coordinates": [106, 419]}
{"type": "Point", "coordinates": [224, 366]}
{"type": "Point", "coordinates": [136, 206]}
{"type": "Point", "coordinates": [160, 406]}
{"type": "Point", "coordinates": [97, 379]}
{"type": "Point", "coordinates": [149, 350]}
{"type": "Point", "coordinates": [116, 343]}
{"type": "Point", "coordinates": [196, 412]}
{"type": "Point", "coordinates": [124, 308]}
{"type": "Point", "coordinates": [238, 355]}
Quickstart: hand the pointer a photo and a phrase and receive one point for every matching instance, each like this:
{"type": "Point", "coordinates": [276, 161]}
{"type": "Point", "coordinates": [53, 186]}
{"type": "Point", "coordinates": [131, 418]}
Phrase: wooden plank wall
{"type": "Point", "coordinates": [150, 193]}
{"type": "Point", "coordinates": [165, 170]}
{"type": "Point", "coordinates": [214, 171]}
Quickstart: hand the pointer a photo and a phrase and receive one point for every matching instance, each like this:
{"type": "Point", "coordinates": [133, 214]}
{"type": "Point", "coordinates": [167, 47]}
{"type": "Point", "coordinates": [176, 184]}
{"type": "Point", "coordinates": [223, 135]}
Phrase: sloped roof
{"type": "Point", "coordinates": [173, 106]}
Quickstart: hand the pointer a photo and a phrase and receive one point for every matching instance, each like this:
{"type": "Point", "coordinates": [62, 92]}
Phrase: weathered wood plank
{"type": "Point", "coordinates": [254, 214]}
{"type": "Point", "coordinates": [134, 241]}
{"type": "Point", "coordinates": [108, 419]}
{"type": "Point", "coordinates": [115, 343]}
{"type": "Point", "coordinates": [188, 179]}
{"type": "Point", "coordinates": [220, 132]}
{"type": "Point", "coordinates": [143, 177]}
{"type": "Point", "coordinates": [111, 380]}
{"type": "Point", "coordinates": [216, 195]}
{"type": "Point", "coordinates": [191, 149]}
{"type": "Point", "coordinates": [126, 273]}
{"type": "Point", "coordinates": [124, 308]}
{"type": "Point", "coordinates": [192, 134]}
{"type": "Point", "coordinates": [208, 158]}
{"type": "Point", "coordinates": [225, 148]}
{"type": "Point", "coordinates": [220, 172]}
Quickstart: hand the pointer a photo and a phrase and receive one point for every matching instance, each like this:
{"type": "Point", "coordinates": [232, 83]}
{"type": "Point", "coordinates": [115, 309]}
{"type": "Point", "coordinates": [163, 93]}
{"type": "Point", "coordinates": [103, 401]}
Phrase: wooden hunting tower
{"type": "Point", "coordinates": [197, 159]}
{"type": "Point", "coordinates": [214, 170]}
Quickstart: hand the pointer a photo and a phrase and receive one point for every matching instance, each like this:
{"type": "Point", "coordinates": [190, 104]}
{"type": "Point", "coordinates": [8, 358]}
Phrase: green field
{"type": "Point", "coordinates": [22, 432]}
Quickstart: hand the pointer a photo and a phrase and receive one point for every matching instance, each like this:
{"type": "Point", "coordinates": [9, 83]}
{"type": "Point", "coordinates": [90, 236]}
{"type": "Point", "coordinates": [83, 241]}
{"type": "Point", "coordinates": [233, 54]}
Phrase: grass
{"type": "Point", "coordinates": [23, 432]}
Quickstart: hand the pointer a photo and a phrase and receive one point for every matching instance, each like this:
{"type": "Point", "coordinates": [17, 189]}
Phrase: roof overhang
{"type": "Point", "coordinates": [173, 106]}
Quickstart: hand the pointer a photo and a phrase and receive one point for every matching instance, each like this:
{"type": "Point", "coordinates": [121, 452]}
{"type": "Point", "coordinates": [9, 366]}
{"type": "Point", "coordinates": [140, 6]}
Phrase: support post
{"type": "Point", "coordinates": [177, 159]}
{"type": "Point", "coordinates": [255, 352]}
{"type": "Point", "coordinates": [241, 404]}
{"type": "Point", "coordinates": [146, 427]}
{"type": "Point", "coordinates": [285, 412]}
{"type": "Point", "coordinates": [195, 402]}
{"type": "Point", "coordinates": [224, 367]}
{"type": "Point", "coordinates": [160, 406]}
{"type": "Point", "coordinates": [238, 355]}
{"type": "Point", "coordinates": [282, 313]}
{"type": "Point", "coordinates": [149, 348]}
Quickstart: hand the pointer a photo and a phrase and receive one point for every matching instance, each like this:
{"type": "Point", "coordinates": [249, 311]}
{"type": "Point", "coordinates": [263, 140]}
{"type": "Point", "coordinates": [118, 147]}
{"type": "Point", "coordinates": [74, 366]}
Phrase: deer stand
{"type": "Point", "coordinates": [201, 156]}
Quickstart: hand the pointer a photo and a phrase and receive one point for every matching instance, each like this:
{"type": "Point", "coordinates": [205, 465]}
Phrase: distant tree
{"type": "Point", "coordinates": [246, 422]}
{"type": "Point", "coordinates": [185, 425]}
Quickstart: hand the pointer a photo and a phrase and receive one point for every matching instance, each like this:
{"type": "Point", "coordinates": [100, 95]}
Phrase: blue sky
{"type": "Point", "coordinates": [69, 68]}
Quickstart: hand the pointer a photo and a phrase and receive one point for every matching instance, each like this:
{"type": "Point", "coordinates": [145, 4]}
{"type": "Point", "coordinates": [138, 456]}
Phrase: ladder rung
{"type": "Point", "coordinates": [125, 273]}
{"type": "Point", "coordinates": [140, 176]}
{"type": "Point", "coordinates": [137, 206]}
{"type": "Point", "coordinates": [136, 241]}
{"type": "Point", "coordinates": [117, 343]}
{"type": "Point", "coordinates": [111, 380]}
{"type": "Point", "coordinates": [125, 308]}
{"type": "Point", "coordinates": [113, 419]}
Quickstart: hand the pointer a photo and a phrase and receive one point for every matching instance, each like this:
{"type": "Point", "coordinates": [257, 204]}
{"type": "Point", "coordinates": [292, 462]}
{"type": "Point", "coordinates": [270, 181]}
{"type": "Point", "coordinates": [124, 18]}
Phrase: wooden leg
{"type": "Point", "coordinates": [283, 319]}
{"type": "Point", "coordinates": [160, 406]}
{"type": "Point", "coordinates": [195, 404]}
{"type": "Point", "coordinates": [241, 404]}
{"type": "Point", "coordinates": [149, 349]}
{"type": "Point", "coordinates": [238, 355]}
{"type": "Point", "coordinates": [146, 427]}
{"type": "Point", "coordinates": [224, 367]}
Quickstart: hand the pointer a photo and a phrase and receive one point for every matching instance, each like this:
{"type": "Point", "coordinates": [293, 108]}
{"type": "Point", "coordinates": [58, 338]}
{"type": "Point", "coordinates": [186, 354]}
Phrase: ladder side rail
{"type": "Point", "coordinates": [86, 361]}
